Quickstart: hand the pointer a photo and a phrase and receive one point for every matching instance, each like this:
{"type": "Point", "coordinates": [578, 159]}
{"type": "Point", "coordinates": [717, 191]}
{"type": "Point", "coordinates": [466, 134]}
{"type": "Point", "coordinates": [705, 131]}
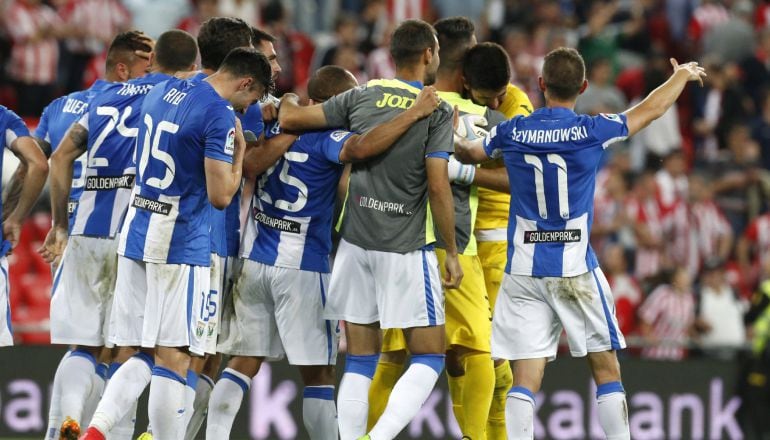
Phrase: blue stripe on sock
{"type": "Point", "coordinates": [363, 365]}
{"type": "Point", "coordinates": [85, 354]}
{"type": "Point", "coordinates": [435, 361]}
{"type": "Point", "coordinates": [524, 391]}
{"type": "Point", "coordinates": [614, 341]}
{"type": "Point", "coordinates": [146, 358]}
{"type": "Point", "coordinates": [192, 379]}
{"type": "Point", "coordinates": [168, 374]}
{"type": "Point", "coordinates": [323, 393]}
{"type": "Point", "coordinates": [240, 382]}
{"type": "Point", "coordinates": [431, 308]}
{"type": "Point", "coordinates": [113, 368]}
{"type": "Point", "coordinates": [101, 370]}
{"type": "Point", "coordinates": [609, 387]}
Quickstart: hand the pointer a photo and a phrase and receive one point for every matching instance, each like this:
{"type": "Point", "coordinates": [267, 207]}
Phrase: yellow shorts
{"type": "Point", "coordinates": [493, 255]}
{"type": "Point", "coordinates": [468, 315]}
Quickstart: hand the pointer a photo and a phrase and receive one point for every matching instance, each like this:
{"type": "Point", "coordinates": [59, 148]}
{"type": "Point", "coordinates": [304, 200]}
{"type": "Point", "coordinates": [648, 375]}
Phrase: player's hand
{"type": "Point", "coordinates": [694, 71]}
{"type": "Point", "coordinates": [54, 244]}
{"type": "Point", "coordinates": [454, 273]}
{"type": "Point", "coordinates": [470, 127]}
{"type": "Point", "coordinates": [459, 173]}
{"type": "Point", "coordinates": [427, 101]}
{"type": "Point", "coordinates": [240, 141]}
{"type": "Point", "coordinates": [269, 111]}
{"type": "Point", "coordinates": [142, 54]}
{"type": "Point", "coordinates": [11, 231]}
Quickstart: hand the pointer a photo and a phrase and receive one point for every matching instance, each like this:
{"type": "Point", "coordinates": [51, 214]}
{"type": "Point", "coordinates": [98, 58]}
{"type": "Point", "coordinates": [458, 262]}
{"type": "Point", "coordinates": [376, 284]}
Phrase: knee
{"type": "Point", "coordinates": [394, 357]}
{"type": "Point", "coordinates": [317, 375]}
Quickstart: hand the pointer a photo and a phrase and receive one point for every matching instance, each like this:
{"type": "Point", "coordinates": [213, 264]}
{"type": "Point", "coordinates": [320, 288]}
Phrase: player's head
{"type": "Point", "coordinates": [175, 51]}
{"type": "Point", "coordinates": [122, 61]}
{"type": "Point", "coordinates": [329, 81]}
{"type": "Point", "coordinates": [265, 43]}
{"type": "Point", "coordinates": [247, 74]}
{"type": "Point", "coordinates": [564, 75]}
{"type": "Point", "coordinates": [486, 73]}
{"type": "Point", "coordinates": [218, 36]}
{"type": "Point", "coordinates": [455, 36]}
{"type": "Point", "coordinates": [414, 44]}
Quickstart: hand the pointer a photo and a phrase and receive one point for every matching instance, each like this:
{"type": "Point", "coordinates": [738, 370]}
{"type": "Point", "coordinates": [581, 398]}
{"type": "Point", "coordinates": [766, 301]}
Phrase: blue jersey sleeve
{"type": "Point", "coordinates": [41, 132]}
{"type": "Point", "coordinates": [609, 128]}
{"type": "Point", "coordinates": [493, 142]}
{"type": "Point", "coordinates": [220, 134]}
{"type": "Point", "coordinates": [332, 144]}
{"type": "Point", "coordinates": [14, 127]}
{"type": "Point", "coordinates": [252, 120]}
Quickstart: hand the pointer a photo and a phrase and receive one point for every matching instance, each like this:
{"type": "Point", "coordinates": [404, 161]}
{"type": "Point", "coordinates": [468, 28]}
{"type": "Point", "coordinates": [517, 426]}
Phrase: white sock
{"type": "Point", "coordinates": [225, 401]}
{"type": "Point", "coordinates": [98, 382]}
{"type": "Point", "coordinates": [519, 414]}
{"type": "Point", "coordinates": [189, 397]}
{"type": "Point", "coordinates": [409, 393]}
{"type": "Point", "coordinates": [124, 429]}
{"type": "Point", "coordinates": [76, 373]}
{"type": "Point", "coordinates": [319, 413]}
{"type": "Point", "coordinates": [120, 396]}
{"type": "Point", "coordinates": [54, 411]}
{"type": "Point", "coordinates": [166, 406]}
{"type": "Point", "coordinates": [200, 406]}
{"type": "Point", "coordinates": [613, 411]}
{"type": "Point", "coordinates": [353, 405]}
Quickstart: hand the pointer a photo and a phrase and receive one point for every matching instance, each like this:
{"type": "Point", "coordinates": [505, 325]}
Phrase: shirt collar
{"type": "Point", "coordinates": [416, 84]}
{"type": "Point", "coordinates": [554, 111]}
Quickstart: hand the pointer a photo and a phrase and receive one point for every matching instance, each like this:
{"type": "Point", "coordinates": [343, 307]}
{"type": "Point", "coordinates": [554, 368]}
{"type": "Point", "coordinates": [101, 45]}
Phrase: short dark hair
{"type": "Point", "coordinates": [123, 46]}
{"type": "Point", "coordinates": [409, 41]}
{"type": "Point", "coordinates": [454, 38]}
{"type": "Point", "coordinates": [329, 81]}
{"type": "Point", "coordinates": [218, 36]}
{"type": "Point", "coordinates": [273, 12]}
{"type": "Point", "coordinates": [258, 36]}
{"type": "Point", "coordinates": [175, 50]}
{"type": "Point", "coordinates": [247, 62]}
{"type": "Point", "coordinates": [563, 73]}
{"type": "Point", "coordinates": [486, 66]}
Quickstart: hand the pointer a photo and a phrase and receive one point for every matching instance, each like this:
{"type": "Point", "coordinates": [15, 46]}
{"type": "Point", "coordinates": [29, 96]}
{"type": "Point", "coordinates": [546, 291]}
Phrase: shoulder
{"type": "Point", "coordinates": [8, 116]}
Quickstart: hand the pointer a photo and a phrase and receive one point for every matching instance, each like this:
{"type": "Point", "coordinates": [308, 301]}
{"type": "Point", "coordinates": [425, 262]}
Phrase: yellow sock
{"type": "Point", "coordinates": [503, 383]}
{"type": "Point", "coordinates": [456, 394]}
{"type": "Point", "coordinates": [477, 395]}
{"type": "Point", "coordinates": [384, 380]}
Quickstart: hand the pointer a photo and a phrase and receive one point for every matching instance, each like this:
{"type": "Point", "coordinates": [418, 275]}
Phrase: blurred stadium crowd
{"type": "Point", "coordinates": [682, 218]}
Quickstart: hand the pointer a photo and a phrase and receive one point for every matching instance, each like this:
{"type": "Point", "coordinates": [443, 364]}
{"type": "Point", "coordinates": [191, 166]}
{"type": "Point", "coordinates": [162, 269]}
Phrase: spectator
{"type": "Point", "coordinates": [667, 317]}
{"type": "Point", "coordinates": [377, 26]}
{"type": "Point", "coordinates": [672, 180]}
{"type": "Point", "coordinates": [609, 211]}
{"type": "Point", "coordinates": [756, 69]}
{"type": "Point", "coordinates": [760, 126]}
{"type": "Point", "coordinates": [601, 96]}
{"type": "Point", "coordinates": [155, 17]}
{"type": "Point", "coordinates": [624, 288]}
{"type": "Point", "coordinates": [732, 40]}
{"type": "Point", "coordinates": [649, 223]}
{"type": "Point", "coordinates": [294, 49]}
{"type": "Point", "coordinates": [753, 249]}
{"type": "Point", "coordinates": [345, 34]}
{"type": "Point", "coordinates": [713, 234]}
{"type": "Point", "coordinates": [33, 28]}
{"type": "Point", "coordinates": [203, 10]}
{"type": "Point", "coordinates": [379, 63]}
{"type": "Point", "coordinates": [246, 10]}
{"type": "Point", "coordinates": [351, 60]}
{"type": "Point", "coordinates": [720, 313]}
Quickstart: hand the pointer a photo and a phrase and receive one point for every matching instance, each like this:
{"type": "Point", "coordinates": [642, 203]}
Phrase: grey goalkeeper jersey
{"type": "Point", "coordinates": [387, 203]}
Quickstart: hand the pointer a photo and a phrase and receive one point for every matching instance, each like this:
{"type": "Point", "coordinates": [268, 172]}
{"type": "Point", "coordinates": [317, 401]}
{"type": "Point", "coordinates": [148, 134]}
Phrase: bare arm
{"type": "Point", "coordinates": [261, 157]}
{"type": "Point", "coordinates": [62, 160]}
{"type": "Point", "coordinates": [292, 116]}
{"type": "Point", "coordinates": [13, 189]}
{"type": "Point", "coordinates": [35, 173]}
{"type": "Point", "coordinates": [381, 137]}
{"type": "Point", "coordinates": [492, 178]}
{"type": "Point", "coordinates": [442, 207]}
{"type": "Point", "coordinates": [470, 151]}
{"type": "Point", "coordinates": [660, 99]}
{"type": "Point", "coordinates": [222, 178]}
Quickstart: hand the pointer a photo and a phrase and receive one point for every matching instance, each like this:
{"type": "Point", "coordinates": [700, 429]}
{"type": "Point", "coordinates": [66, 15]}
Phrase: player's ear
{"type": "Point", "coordinates": [583, 87]}
{"type": "Point", "coordinates": [245, 83]}
{"type": "Point", "coordinates": [541, 83]}
{"type": "Point", "coordinates": [427, 56]}
{"type": "Point", "coordinates": [122, 72]}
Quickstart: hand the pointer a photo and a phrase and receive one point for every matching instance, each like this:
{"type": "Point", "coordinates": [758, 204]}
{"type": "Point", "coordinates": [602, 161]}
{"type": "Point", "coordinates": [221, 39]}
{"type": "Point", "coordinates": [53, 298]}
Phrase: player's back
{"type": "Point", "coordinates": [552, 157]}
{"type": "Point", "coordinates": [293, 209]}
{"type": "Point", "coordinates": [168, 220]}
{"type": "Point", "coordinates": [388, 193]}
{"type": "Point", "coordinates": [112, 121]}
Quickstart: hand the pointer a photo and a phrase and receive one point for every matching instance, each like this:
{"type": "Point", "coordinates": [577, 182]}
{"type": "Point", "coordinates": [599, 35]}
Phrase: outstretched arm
{"type": "Point", "coordinates": [659, 100]}
{"type": "Point", "coordinates": [294, 117]}
{"type": "Point", "coordinates": [36, 170]}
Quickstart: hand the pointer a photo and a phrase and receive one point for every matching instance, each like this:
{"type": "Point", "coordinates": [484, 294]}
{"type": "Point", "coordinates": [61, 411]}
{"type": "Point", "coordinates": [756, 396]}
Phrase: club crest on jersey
{"type": "Point", "coordinates": [614, 117]}
{"type": "Point", "coordinates": [230, 142]}
{"type": "Point", "coordinates": [338, 135]}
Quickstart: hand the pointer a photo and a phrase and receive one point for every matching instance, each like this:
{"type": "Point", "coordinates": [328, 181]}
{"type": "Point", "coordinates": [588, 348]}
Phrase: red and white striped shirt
{"type": "Point", "coordinates": [670, 314]}
{"type": "Point", "coordinates": [628, 296]}
{"type": "Point", "coordinates": [711, 226]}
{"type": "Point", "coordinates": [32, 61]}
{"type": "Point", "coordinates": [758, 233]}
{"type": "Point", "coordinates": [103, 19]}
{"type": "Point", "coordinates": [647, 212]}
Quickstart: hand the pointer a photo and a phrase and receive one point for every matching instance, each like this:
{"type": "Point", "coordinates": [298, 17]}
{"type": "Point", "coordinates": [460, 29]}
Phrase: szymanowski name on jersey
{"type": "Point", "coordinates": [549, 136]}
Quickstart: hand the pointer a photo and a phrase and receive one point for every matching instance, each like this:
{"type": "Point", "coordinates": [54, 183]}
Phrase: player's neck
{"type": "Point", "coordinates": [554, 103]}
{"type": "Point", "coordinates": [411, 73]}
{"type": "Point", "coordinates": [449, 82]}
{"type": "Point", "coordinates": [207, 72]}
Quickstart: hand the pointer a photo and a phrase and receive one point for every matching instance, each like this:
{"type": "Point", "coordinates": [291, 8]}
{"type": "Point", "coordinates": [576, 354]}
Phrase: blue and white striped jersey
{"type": "Point", "coordinates": [56, 119]}
{"type": "Point", "coordinates": [291, 220]}
{"type": "Point", "coordinates": [552, 157]}
{"type": "Point", "coordinates": [11, 128]}
{"type": "Point", "coordinates": [168, 220]}
{"type": "Point", "coordinates": [113, 121]}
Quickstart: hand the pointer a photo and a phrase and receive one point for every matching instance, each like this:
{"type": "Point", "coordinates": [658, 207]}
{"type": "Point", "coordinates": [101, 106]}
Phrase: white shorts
{"type": "Point", "coordinates": [163, 305]}
{"type": "Point", "coordinates": [214, 303]}
{"type": "Point", "coordinates": [83, 287]}
{"type": "Point", "coordinates": [530, 313]}
{"type": "Point", "coordinates": [398, 290]}
{"type": "Point", "coordinates": [6, 333]}
{"type": "Point", "coordinates": [276, 311]}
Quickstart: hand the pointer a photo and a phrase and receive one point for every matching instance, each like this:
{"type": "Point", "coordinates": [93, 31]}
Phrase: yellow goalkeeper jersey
{"type": "Point", "coordinates": [493, 205]}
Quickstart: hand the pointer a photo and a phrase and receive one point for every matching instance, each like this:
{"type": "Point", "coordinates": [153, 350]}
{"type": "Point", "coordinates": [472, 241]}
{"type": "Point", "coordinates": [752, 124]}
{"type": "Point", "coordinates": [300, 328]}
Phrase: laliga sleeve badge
{"type": "Point", "coordinates": [230, 142]}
